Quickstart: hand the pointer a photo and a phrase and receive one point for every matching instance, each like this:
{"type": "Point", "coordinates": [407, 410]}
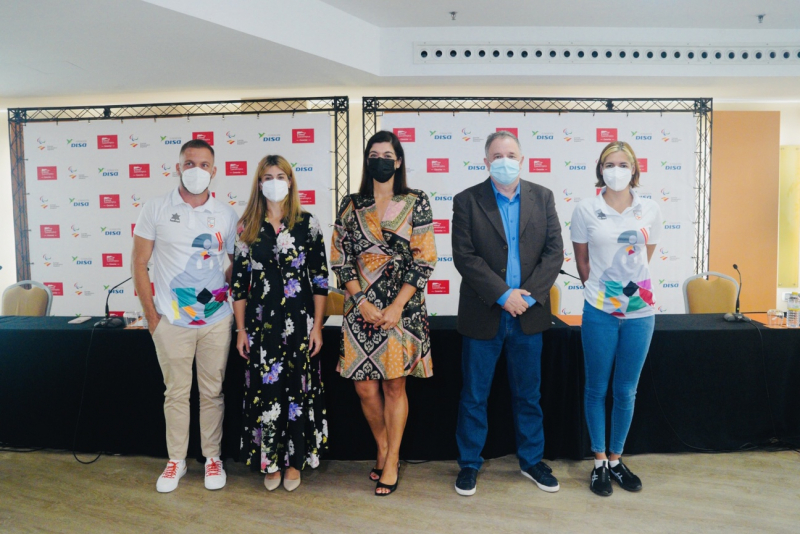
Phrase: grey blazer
{"type": "Point", "coordinates": [480, 253]}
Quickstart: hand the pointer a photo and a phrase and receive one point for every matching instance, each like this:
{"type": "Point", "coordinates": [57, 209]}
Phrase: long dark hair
{"type": "Point", "coordinates": [400, 187]}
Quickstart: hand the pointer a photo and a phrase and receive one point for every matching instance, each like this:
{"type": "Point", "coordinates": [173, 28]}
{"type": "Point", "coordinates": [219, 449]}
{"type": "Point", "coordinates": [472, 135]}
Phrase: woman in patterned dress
{"type": "Point", "coordinates": [383, 253]}
{"type": "Point", "coordinates": [279, 283]}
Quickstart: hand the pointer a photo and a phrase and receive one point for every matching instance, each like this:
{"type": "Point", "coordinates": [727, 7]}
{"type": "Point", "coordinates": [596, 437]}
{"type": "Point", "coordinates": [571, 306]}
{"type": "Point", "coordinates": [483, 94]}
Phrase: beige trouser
{"type": "Point", "coordinates": [177, 347]}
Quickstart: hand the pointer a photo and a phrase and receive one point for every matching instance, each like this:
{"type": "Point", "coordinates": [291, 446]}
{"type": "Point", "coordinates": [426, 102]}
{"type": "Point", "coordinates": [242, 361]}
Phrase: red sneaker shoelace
{"type": "Point", "coordinates": [171, 470]}
{"type": "Point", "coordinates": [213, 469]}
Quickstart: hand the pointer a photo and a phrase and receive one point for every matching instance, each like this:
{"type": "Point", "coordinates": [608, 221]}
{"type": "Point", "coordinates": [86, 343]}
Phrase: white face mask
{"type": "Point", "coordinates": [504, 170]}
{"type": "Point", "coordinates": [617, 178]}
{"type": "Point", "coordinates": [275, 190]}
{"type": "Point", "coordinates": [195, 180]}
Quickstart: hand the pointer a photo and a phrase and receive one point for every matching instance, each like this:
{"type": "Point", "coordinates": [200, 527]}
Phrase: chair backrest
{"type": "Point", "coordinates": [555, 299]}
{"type": "Point", "coordinates": [34, 302]}
{"type": "Point", "coordinates": [334, 304]}
{"type": "Point", "coordinates": [701, 295]}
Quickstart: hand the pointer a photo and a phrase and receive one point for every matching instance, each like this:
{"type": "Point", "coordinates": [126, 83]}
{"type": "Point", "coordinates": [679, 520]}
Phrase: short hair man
{"type": "Point", "coordinates": [507, 247]}
{"type": "Point", "coordinates": [187, 233]}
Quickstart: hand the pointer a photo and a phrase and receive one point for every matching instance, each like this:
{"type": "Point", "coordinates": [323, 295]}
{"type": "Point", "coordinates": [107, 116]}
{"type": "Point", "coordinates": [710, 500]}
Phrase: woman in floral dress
{"type": "Point", "coordinates": [280, 282]}
{"type": "Point", "coordinates": [383, 253]}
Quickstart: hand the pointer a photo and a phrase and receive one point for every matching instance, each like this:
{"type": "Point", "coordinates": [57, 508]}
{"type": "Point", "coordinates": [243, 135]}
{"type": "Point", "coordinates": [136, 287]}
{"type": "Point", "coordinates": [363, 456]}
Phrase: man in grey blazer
{"type": "Point", "coordinates": [507, 247]}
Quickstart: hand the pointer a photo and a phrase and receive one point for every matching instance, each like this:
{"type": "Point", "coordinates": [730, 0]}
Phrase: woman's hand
{"type": "Point", "coordinates": [369, 312]}
{"type": "Point", "coordinates": [315, 341]}
{"type": "Point", "coordinates": [243, 344]}
{"type": "Point", "coordinates": [392, 314]}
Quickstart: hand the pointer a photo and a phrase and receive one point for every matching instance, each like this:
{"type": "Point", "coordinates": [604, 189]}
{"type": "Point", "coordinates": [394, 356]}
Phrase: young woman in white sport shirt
{"type": "Point", "coordinates": [614, 235]}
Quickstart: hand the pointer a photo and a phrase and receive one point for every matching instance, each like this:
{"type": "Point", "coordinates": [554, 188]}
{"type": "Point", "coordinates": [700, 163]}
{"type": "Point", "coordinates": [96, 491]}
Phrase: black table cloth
{"type": "Point", "coordinates": [706, 385]}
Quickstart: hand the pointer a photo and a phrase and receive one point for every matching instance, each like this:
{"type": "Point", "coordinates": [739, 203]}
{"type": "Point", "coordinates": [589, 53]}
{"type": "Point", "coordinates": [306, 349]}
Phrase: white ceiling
{"type": "Point", "coordinates": [53, 48]}
{"type": "Point", "coordinates": [721, 14]}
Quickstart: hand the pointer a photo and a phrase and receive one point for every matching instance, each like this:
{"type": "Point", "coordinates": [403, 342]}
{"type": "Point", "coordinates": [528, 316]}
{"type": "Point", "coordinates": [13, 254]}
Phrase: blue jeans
{"type": "Point", "coordinates": [479, 359]}
{"type": "Point", "coordinates": [619, 344]}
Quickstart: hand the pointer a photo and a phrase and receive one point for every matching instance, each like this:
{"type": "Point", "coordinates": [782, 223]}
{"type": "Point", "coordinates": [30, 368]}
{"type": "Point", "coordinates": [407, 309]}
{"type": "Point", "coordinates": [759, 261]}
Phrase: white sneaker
{"type": "Point", "coordinates": [168, 480]}
{"type": "Point", "coordinates": [215, 474]}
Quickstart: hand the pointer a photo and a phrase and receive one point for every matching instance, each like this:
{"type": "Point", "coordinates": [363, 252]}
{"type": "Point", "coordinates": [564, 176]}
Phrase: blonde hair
{"type": "Point", "coordinates": [256, 209]}
{"type": "Point", "coordinates": [618, 146]}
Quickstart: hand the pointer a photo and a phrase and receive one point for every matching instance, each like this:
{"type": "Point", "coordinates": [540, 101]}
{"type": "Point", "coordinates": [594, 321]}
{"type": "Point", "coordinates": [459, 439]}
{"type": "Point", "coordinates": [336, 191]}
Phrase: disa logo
{"type": "Point", "coordinates": [640, 136]}
{"type": "Point", "coordinates": [269, 138]}
{"type": "Point", "coordinates": [441, 136]}
{"type": "Point", "coordinates": [667, 166]}
{"type": "Point", "coordinates": [669, 284]}
{"type": "Point", "coordinates": [474, 167]}
{"type": "Point", "coordinates": [302, 167]}
{"type": "Point", "coordinates": [542, 136]}
{"type": "Point", "coordinates": [572, 286]}
{"type": "Point", "coordinates": [440, 198]}
{"type": "Point", "coordinates": [575, 167]}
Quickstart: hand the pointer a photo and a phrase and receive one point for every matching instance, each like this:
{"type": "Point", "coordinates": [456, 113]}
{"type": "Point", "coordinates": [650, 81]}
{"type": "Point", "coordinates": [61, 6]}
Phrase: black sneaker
{"type": "Point", "coordinates": [627, 480]}
{"type": "Point", "coordinates": [467, 481]}
{"type": "Point", "coordinates": [601, 481]}
{"type": "Point", "coordinates": [542, 475]}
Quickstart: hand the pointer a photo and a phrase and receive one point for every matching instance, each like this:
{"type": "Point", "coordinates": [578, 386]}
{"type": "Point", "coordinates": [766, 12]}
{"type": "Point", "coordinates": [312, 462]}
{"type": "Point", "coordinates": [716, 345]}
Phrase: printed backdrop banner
{"type": "Point", "coordinates": [87, 183]}
{"type": "Point", "coordinates": [445, 154]}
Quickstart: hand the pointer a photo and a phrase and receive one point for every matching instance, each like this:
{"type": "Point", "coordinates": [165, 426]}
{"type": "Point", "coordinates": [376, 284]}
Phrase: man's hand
{"type": "Point", "coordinates": [152, 322]}
{"type": "Point", "coordinates": [515, 304]}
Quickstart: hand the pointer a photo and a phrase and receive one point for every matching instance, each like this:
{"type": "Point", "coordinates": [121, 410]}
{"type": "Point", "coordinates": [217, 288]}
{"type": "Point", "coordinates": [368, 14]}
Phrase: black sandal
{"type": "Point", "coordinates": [391, 488]}
{"type": "Point", "coordinates": [376, 473]}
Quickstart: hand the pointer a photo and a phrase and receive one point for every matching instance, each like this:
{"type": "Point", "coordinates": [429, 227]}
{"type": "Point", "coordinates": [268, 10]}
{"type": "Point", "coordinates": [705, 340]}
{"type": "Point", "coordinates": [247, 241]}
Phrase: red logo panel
{"type": "Point", "coordinates": [441, 226]}
{"type": "Point", "coordinates": [405, 135]}
{"type": "Point", "coordinates": [438, 287]}
{"type": "Point", "coordinates": [511, 130]}
{"type": "Point", "coordinates": [139, 170]}
{"type": "Point", "coordinates": [308, 197]}
{"type": "Point", "coordinates": [106, 142]}
{"type": "Point", "coordinates": [112, 260]}
{"type": "Point", "coordinates": [303, 135]}
{"type": "Point", "coordinates": [46, 173]}
{"type": "Point", "coordinates": [642, 164]}
{"type": "Point", "coordinates": [208, 137]}
{"type": "Point", "coordinates": [539, 165]}
{"type": "Point", "coordinates": [438, 165]}
{"type": "Point", "coordinates": [606, 135]}
{"type": "Point", "coordinates": [109, 201]}
{"type": "Point", "coordinates": [235, 168]}
{"type": "Point", "coordinates": [57, 288]}
{"type": "Point", "coordinates": [49, 231]}
{"type": "Point", "coordinates": [133, 227]}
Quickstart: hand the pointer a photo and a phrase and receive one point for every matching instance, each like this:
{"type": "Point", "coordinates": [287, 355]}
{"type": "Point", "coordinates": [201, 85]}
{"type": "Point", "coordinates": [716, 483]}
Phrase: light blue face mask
{"type": "Point", "coordinates": [504, 170]}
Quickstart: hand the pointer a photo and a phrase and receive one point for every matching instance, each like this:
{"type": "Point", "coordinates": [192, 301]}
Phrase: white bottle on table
{"type": "Point", "coordinates": [793, 315]}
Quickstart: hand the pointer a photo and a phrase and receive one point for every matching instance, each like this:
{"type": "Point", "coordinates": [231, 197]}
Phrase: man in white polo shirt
{"type": "Point", "coordinates": [188, 233]}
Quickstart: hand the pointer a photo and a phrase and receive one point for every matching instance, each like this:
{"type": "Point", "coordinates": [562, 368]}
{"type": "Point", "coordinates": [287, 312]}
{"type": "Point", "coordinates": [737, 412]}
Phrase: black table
{"type": "Point", "coordinates": [707, 384]}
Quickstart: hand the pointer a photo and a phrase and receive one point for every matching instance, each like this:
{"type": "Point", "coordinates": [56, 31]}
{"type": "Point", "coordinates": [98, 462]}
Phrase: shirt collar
{"type": "Point", "coordinates": [636, 203]}
{"type": "Point", "coordinates": [176, 199]}
{"type": "Point", "coordinates": [500, 196]}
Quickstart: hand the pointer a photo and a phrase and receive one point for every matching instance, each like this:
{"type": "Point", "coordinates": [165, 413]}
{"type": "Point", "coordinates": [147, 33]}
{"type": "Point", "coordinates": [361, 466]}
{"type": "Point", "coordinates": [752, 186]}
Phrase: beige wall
{"type": "Point", "coordinates": [744, 202]}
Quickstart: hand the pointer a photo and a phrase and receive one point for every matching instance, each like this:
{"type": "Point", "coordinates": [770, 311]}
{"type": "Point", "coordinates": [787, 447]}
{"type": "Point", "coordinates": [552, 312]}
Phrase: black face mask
{"type": "Point", "coordinates": [381, 170]}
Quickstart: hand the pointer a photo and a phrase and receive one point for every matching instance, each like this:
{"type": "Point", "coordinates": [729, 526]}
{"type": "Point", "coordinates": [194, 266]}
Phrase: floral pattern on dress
{"type": "Point", "coordinates": [284, 410]}
{"type": "Point", "coordinates": [383, 255]}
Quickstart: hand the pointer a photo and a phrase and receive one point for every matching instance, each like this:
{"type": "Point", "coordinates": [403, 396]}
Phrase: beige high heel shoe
{"type": "Point", "coordinates": [291, 484]}
{"type": "Point", "coordinates": [272, 483]}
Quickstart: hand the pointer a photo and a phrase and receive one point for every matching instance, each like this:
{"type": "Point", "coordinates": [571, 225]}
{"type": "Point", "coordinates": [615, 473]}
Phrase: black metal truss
{"type": "Point", "coordinates": [337, 106]}
{"type": "Point", "coordinates": [701, 108]}
{"type": "Point", "coordinates": [19, 199]}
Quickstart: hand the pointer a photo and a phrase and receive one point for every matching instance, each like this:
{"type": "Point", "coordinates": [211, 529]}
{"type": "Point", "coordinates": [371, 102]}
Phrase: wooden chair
{"type": "Point", "coordinates": [704, 295]}
{"type": "Point", "coordinates": [33, 302]}
{"type": "Point", "coordinates": [334, 304]}
{"type": "Point", "coordinates": [555, 300]}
